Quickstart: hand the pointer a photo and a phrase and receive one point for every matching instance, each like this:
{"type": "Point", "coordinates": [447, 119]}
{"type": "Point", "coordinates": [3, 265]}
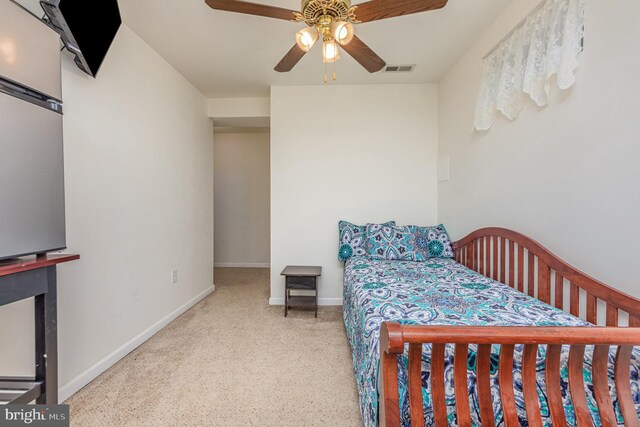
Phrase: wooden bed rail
{"type": "Point", "coordinates": [524, 264]}
{"type": "Point", "coordinates": [394, 336]}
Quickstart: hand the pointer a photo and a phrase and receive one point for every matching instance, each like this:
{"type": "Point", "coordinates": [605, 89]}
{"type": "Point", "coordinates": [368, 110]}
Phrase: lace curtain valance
{"type": "Point", "coordinates": [547, 43]}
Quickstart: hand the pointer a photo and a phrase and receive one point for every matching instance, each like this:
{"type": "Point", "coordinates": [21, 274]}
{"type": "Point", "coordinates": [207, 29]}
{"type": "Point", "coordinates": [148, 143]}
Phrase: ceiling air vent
{"type": "Point", "coordinates": [399, 68]}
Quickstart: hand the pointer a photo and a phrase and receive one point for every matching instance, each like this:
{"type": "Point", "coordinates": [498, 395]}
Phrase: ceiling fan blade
{"type": "Point", "coordinates": [364, 55]}
{"type": "Point", "coordinates": [290, 60]}
{"type": "Point", "coordinates": [381, 9]}
{"type": "Point", "coordinates": [252, 9]}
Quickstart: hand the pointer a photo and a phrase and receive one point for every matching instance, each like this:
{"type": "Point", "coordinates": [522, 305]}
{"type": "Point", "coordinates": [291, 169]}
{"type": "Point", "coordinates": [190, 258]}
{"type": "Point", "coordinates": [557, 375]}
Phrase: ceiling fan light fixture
{"type": "Point", "coordinates": [306, 38]}
{"type": "Point", "coordinates": [343, 32]}
{"type": "Point", "coordinates": [330, 51]}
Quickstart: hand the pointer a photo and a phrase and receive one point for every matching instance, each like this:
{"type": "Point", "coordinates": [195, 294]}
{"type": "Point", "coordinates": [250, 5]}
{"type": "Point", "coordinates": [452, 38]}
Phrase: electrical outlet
{"type": "Point", "coordinates": [174, 277]}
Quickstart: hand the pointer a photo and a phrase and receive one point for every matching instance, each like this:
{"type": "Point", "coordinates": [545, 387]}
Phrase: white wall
{"type": "Point", "coordinates": [238, 107]}
{"type": "Point", "coordinates": [242, 199]}
{"type": "Point", "coordinates": [567, 174]}
{"type": "Point", "coordinates": [359, 153]}
{"type": "Point", "coordinates": [139, 199]}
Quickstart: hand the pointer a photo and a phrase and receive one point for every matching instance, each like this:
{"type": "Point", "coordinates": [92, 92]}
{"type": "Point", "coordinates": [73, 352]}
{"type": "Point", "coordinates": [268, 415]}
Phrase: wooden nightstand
{"type": "Point", "coordinates": [301, 278]}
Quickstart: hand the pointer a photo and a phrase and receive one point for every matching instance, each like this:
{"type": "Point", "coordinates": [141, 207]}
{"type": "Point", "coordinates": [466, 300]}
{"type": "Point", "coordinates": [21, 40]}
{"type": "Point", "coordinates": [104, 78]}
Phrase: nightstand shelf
{"type": "Point", "coordinates": [302, 301]}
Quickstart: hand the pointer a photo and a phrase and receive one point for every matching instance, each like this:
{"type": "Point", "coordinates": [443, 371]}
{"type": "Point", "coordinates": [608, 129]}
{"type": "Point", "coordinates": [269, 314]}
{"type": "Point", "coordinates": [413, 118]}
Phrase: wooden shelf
{"type": "Point", "coordinates": [19, 265]}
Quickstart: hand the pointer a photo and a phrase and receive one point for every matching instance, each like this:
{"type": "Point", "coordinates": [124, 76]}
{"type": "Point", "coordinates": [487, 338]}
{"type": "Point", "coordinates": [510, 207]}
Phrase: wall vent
{"type": "Point", "coordinates": [399, 68]}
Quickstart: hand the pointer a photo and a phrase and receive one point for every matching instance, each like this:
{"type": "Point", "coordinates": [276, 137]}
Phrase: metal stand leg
{"type": "Point", "coordinates": [47, 340]}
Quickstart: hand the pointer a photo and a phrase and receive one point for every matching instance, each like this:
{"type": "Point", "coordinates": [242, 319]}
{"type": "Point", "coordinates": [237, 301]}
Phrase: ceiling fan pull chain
{"type": "Point", "coordinates": [326, 80]}
{"type": "Point", "coordinates": [335, 76]}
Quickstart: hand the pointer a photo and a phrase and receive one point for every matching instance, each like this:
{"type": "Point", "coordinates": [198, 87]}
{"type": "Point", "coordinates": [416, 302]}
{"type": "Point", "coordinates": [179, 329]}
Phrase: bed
{"type": "Point", "coordinates": [483, 338]}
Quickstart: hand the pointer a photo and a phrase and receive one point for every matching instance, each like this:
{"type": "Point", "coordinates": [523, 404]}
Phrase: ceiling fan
{"type": "Point", "coordinates": [332, 21]}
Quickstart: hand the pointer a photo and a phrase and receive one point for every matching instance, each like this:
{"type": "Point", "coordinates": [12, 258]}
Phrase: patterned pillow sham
{"type": "Point", "coordinates": [390, 243]}
{"type": "Point", "coordinates": [407, 243]}
{"type": "Point", "coordinates": [352, 240]}
{"type": "Point", "coordinates": [430, 242]}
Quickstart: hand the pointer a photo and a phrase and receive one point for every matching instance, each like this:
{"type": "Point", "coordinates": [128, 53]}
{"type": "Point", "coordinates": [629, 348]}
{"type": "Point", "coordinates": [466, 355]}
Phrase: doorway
{"type": "Point", "coordinates": [242, 220]}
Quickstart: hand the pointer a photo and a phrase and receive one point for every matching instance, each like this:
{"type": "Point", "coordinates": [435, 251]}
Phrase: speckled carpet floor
{"type": "Point", "coordinates": [232, 360]}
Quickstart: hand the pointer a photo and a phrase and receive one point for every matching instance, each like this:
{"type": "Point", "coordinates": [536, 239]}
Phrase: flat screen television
{"type": "Point", "coordinates": [87, 28]}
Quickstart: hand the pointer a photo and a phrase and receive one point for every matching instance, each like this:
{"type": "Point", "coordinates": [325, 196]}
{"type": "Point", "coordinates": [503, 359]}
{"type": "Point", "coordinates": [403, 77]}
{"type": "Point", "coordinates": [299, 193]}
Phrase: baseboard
{"type": "Point", "coordinates": [321, 301]}
{"type": "Point", "coordinates": [92, 373]}
{"type": "Point", "coordinates": [242, 265]}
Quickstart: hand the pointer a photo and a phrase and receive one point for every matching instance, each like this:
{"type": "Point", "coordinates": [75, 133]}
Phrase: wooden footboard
{"type": "Point", "coordinates": [527, 266]}
{"type": "Point", "coordinates": [394, 336]}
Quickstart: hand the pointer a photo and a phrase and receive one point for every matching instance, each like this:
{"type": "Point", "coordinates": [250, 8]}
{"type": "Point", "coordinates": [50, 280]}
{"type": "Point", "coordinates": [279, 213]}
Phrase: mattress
{"type": "Point", "coordinates": [443, 292]}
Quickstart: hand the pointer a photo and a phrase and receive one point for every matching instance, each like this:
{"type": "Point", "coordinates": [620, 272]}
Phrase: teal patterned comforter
{"type": "Point", "coordinates": [443, 292]}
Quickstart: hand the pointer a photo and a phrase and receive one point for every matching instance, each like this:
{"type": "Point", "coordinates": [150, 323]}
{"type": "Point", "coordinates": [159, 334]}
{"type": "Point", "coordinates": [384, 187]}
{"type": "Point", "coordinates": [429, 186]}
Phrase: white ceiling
{"type": "Point", "coordinates": [229, 55]}
{"type": "Point", "coordinates": [232, 55]}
